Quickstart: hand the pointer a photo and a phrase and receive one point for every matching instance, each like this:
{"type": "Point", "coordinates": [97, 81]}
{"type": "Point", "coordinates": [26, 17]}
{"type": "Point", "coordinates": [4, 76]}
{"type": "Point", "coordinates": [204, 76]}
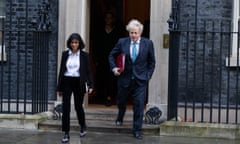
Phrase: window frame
{"type": "Point", "coordinates": [3, 55]}
{"type": "Point", "coordinates": [236, 14]}
{"type": "Point", "coordinates": [2, 49]}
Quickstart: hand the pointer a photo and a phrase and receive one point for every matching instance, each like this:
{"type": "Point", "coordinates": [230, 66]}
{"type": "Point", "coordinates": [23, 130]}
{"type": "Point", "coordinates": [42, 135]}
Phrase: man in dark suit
{"type": "Point", "coordinates": [133, 80]}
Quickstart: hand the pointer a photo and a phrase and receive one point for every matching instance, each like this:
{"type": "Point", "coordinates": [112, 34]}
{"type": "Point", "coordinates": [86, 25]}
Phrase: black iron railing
{"type": "Point", "coordinates": [203, 69]}
{"type": "Point", "coordinates": [24, 61]}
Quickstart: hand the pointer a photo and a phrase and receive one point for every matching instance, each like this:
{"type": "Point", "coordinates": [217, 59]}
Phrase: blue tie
{"type": "Point", "coordinates": [134, 51]}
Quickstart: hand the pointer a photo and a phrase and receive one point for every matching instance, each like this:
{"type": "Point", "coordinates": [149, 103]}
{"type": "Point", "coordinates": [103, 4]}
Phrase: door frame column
{"type": "Point", "coordinates": [74, 17]}
{"type": "Point", "coordinates": [158, 85]}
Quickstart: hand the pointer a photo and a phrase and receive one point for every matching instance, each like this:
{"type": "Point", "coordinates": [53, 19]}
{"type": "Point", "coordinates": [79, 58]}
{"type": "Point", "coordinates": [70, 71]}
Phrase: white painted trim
{"type": "Point", "coordinates": [236, 14]}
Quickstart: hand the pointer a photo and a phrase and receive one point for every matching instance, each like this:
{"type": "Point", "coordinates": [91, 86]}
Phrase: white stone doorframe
{"type": "Point", "coordinates": [74, 16]}
{"type": "Point", "coordinates": [158, 86]}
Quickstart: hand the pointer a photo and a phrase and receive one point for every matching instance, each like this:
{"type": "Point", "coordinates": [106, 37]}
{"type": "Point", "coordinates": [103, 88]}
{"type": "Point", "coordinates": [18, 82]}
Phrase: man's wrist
{"type": "Point", "coordinates": [115, 69]}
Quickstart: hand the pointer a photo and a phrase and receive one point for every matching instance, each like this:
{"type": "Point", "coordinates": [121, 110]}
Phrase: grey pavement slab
{"type": "Point", "coordinates": [16, 136]}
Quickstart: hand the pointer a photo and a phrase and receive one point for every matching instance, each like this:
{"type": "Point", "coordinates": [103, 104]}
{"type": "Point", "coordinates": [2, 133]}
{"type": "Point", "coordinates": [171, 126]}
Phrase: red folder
{"type": "Point", "coordinates": [120, 62]}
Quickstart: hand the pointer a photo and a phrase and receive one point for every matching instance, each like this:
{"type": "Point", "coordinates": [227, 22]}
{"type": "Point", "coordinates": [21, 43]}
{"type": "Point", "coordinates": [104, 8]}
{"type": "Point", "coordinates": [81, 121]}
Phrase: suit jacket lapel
{"type": "Point", "coordinates": [81, 62]}
{"type": "Point", "coordinates": [140, 49]}
{"type": "Point", "coordinates": [128, 44]}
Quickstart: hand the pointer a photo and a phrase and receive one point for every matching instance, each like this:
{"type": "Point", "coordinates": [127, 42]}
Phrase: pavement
{"type": "Point", "coordinates": [23, 136]}
{"type": "Point", "coordinates": [102, 130]}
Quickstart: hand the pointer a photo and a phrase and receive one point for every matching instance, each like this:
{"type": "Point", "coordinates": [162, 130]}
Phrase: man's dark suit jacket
{"type": "Point", "coordinates": [143, 66]}
{"type": "Point", "coordinates": [85, 72]}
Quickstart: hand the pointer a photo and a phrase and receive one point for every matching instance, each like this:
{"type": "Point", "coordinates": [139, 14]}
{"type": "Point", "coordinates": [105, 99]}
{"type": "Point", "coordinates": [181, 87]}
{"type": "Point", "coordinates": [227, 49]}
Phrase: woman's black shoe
{"type": "Point", "coordinates": [108, 103]}
{"type": "Point", "coordinates": [65, 138]}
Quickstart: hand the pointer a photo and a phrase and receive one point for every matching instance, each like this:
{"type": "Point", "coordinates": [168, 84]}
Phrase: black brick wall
{"type": "Point", "coordinates": [17, 70]}
{"type": "Point", "coordinates": [202, 75]}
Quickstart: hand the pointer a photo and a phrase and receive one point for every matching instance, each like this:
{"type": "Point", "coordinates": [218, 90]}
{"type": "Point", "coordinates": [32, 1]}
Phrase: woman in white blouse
{"type": "Point", "coordinates": [74, 74]}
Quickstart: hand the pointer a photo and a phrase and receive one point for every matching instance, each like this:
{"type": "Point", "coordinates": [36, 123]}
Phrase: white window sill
{"type": "Point", "coordinates": [4, 57]}
{"type": "Point", "coordinates": [232, 61]}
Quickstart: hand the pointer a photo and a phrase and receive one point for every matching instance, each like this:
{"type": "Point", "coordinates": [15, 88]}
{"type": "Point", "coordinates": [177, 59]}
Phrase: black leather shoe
{"type": "Point", "coordinates": [118, 123]}
{"type": "Point", "coordinates": [138, 136]}
{"type": "Point", "coordinates": [83, 131]}
{"type": "Point", "coordinates": [108, 103]}
{"type": "Point", "coordinates": [65, 138]}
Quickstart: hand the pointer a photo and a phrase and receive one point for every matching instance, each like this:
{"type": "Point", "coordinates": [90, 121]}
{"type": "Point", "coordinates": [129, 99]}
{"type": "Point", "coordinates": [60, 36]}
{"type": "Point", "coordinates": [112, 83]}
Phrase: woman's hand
{"type": "Point", "coordinates": [90, 91]}
{"type": "Point", "coordinates": [59, 93]}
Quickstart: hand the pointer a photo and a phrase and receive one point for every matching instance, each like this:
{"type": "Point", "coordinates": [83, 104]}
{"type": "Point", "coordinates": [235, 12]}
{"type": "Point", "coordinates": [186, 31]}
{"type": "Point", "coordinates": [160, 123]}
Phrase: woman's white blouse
{"type": "Point", "coordinates": [73, 64]}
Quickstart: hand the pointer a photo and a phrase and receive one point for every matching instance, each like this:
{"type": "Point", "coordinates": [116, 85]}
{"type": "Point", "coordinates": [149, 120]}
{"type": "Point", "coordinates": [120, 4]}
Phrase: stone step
{"type": "Point", "coordinates": [99, 126]}
{"type": "Point", "coordinates": [103, 114]}
{"type": "Point", "coordinates": [107, 115]}
{"type": "Point", "coordinates": [101, 120]}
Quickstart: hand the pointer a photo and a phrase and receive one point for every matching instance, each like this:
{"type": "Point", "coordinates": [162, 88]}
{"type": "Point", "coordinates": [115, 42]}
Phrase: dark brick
{"type": "Point", "coordinates": [17, 70]}
{"type": "Point", "coordinates": [202, 75]}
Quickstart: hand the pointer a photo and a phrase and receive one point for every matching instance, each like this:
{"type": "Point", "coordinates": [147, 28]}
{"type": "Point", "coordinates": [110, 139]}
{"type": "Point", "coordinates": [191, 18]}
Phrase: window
{"type": "Point", "coordinates": [3, 56]}
{"type": "Point", "coordinates": [236, 18]}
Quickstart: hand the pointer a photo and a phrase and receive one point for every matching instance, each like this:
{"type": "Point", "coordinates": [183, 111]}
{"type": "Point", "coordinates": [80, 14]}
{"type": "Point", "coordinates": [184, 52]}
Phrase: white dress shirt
{"type": "Point", "coordinates": [73, 64]}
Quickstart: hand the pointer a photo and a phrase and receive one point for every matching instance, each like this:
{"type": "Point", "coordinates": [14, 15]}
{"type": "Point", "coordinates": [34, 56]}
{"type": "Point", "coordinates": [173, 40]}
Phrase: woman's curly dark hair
{"type": "Point", "coordinates": [77, 37]}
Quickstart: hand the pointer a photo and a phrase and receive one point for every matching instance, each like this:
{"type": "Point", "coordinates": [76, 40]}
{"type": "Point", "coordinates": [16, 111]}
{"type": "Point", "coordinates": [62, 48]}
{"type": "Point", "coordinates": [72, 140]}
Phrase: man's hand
{"type": "Point", "coordinates": [116, 71]}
